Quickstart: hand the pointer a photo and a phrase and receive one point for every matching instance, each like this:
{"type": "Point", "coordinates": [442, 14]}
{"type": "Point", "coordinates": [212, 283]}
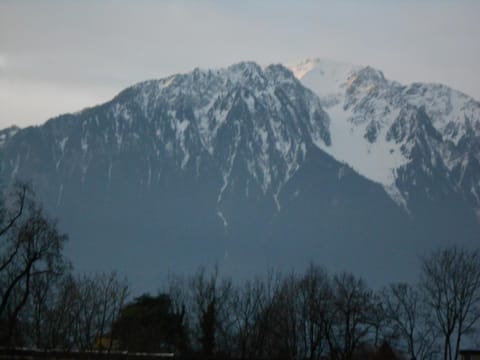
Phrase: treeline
{"type": "Point", "coordinates": [308, 315]}
{"type": "Point", "coordinates": [314, 314]}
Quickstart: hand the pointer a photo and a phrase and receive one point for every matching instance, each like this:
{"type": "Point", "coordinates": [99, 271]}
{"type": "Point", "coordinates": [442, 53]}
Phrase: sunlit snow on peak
{"type": "Point", "coordinates": [324, 77]}
{"type": "Point", "coordinates": [167, 82]}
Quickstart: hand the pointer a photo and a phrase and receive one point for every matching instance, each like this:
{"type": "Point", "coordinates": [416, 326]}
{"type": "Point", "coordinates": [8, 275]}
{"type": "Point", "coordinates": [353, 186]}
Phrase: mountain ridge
{"type": "Point", "coordinates": [229, 166]}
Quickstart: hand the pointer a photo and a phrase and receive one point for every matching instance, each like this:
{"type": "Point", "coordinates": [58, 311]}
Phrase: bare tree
{"type": "Point", "coordinates": [50, 314]}
{"type": "Point", "coordinates": [315, 300]}
{"type": "Point", "coordinates": [450, 281]}
{"type": "Point", "coordinates": [100, 299]}
{"type": "Point", "coordinates": [300, 309]}
{"type": "Point", "coordinates": [177, 288]}
{"type": "Point", "coordinates": [247, 303]}
{"type": "Point", "coordinates": [14, 207]}
{"type": "Point", "coordinates": [71, 312]}
{"type": "Point", "coordinates": [265, 312]}
{"type": "Point", "coordinates": [208, 304]}
{"type": "Point", "coordinates": [31, 247]}
{"type": "Point", "coordinates": [378, 321]}
{"type": "Point", "coordinates": [116, 291]}
{"type": "Point", "coordinates": [407, 316]}
{"type": "Point", "coordinates": [285, 330]}
{"type": "Point", "coordinates": [349, 326]}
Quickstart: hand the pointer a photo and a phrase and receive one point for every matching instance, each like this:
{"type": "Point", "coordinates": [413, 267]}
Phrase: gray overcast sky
{"type": "Point", "coordinates": [60, 56]}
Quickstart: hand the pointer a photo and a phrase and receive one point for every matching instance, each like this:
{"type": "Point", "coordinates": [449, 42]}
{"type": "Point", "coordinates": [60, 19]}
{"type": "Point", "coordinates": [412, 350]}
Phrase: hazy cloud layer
{"type": "Point", "coordinates": [60, 56]}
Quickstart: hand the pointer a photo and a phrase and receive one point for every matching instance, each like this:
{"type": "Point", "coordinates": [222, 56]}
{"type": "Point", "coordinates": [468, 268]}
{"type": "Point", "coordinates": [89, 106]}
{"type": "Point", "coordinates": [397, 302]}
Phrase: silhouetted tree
{"type": "Point", "coordinates": [211, 318]}
{"type": "Point", "coordinates": [450, 281]}
{"type": "Point", "coordinates": [99, 299]}
{"type": "Point", "coordinates": [410, 320]}
{"type": "Point", "coordinates": [349, 326]}
{"type": "Point", "coordinates": [250, 309]}
{"type": "Point", "coordinates": [31, 248]}
{"type": "Point", "coordinates": [48, 315]}
{"type": "Point", "coordinates": [315, 301]}
{"type": "Point", "coordinates": [285, 329]}
{"type": "Point", "coordinates": [150, 324]}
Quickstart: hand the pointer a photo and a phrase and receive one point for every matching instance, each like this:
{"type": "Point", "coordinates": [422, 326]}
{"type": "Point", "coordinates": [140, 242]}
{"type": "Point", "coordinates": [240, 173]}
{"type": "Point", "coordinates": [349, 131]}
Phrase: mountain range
{"type": "Point", "coordinates": [256, 167]}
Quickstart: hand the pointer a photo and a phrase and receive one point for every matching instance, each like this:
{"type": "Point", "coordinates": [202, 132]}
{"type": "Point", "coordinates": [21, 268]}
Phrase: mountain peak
{"type": "Point", "coordinates": [246, 67]}
{"type": "Point", "coordinates": [244, 118]}
{"type": "Point", "coordinates": [323, 65]}
{"type": "Point", "coordinates": [325, 77]}
{"type": "Point", "coordinates": [368, 73]}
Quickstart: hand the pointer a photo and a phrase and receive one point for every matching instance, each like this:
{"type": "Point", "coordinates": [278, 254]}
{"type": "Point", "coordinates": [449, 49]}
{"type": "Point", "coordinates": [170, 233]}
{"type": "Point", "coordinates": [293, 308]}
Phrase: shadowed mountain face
{"type": "Point", "coordinates": [229, 167]}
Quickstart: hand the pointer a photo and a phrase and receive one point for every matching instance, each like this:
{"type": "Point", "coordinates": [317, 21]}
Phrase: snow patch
{"type": "Point", "coordinates": [15, 167]}
{"type": "Point", "coordinates": [396, 196]}
{"type": "Point", "coordinates": [376, 161]}
{"type": "Point", "coordinates": [109, 173]}
{"type": "Point", "coordinates": [84, 144]}
{"type": "Point", "coordinates": [223, 218]}
{"type": "Point", "coordinates": [277, 201]}
{"type": "Point", "coordinates": [60, 194]}
{"type": "Point", "coordinates": [477, 212]}
{"type": "Point", "coordinates": [167, 82]}
{"type": "Point", "coordinates": [62, 143]}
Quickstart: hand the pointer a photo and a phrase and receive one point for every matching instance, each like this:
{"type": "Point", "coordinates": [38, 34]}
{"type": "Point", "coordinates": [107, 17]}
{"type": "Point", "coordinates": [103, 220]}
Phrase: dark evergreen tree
{"type": "Point", "coordinates": [149, 324]}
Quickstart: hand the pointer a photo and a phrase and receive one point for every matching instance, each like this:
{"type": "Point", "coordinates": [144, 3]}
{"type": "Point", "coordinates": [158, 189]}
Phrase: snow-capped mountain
{"type": "Point", "coordinates": [393, 133]}
{"type": "Point", "coordinates": [248, 167]}
{"type": "Point", "coordinates": [267, 115]}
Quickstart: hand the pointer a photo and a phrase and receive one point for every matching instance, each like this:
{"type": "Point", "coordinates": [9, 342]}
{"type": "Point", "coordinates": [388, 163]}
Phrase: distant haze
{"type": "Point", "coordinates": [61, 56]}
